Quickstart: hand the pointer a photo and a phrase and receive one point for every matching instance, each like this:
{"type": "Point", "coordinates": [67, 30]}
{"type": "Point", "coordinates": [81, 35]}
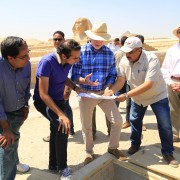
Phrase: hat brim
{"type": "Point", "coordinates": [126, 49]}
{"type": "Point", "coordinates": [98, 37]}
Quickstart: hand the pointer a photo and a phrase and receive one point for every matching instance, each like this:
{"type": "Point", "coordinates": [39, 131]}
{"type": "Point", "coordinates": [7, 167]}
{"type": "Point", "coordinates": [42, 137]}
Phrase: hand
{"type": "Point", "coordinates": [91, 83]}
{"type": "Point", "coordinates": [67, 94]}
{"type": "Point", "coordinates": [175, 87]}
{"type": "Point", "coordinates": [121, 98]}
{"type": "Point", "coordinates": [6, 138]}
{"type": "Point", "coordinates": [65, 123]}
{"type": "Point", "coordinates": [108, 92]}
{"type": "Point", "coordinates": [26, 112]}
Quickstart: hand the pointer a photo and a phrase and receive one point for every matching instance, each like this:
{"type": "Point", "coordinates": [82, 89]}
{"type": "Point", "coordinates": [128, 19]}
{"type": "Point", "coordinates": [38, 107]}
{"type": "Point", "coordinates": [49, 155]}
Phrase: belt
{"type": "Point", "coordinates": [176, 78]}
{"type": "Point", "coordinates": [17, 111]}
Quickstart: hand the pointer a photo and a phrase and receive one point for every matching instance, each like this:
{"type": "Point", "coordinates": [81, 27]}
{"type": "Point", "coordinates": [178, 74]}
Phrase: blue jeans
{"type": "Point", "coordinates": [162, 113]}
{"type": "Point", "coordinates": [8, 157]}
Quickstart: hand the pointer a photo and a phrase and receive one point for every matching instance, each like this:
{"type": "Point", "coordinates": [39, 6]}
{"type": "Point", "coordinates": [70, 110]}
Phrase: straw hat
{"type": "Point", "coordinates": [98, 32]}
{"type": "Point", "coordinates": [175, 30]}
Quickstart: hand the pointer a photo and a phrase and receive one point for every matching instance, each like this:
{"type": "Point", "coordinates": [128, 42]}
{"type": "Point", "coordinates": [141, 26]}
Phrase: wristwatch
{"type": "Point", "coordinates": [126, 95]}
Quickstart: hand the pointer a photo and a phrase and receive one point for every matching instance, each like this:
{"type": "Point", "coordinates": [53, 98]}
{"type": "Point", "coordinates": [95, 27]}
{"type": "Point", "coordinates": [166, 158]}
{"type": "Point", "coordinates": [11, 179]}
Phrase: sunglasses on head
{"type": "Point", "coordinates": [58, 39]}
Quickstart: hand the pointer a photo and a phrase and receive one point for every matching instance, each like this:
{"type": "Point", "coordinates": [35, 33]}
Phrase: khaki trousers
{"type": "Point", "coordinates": [174, 102]}
{"type": "Point", "coordinates": [109, 107]}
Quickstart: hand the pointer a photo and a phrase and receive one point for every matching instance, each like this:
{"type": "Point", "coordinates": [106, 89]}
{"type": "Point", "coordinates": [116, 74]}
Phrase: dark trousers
{"type": "Point", "coordinates": [58, 140]}
{"type": "Point", "coordinates": [68, 112]}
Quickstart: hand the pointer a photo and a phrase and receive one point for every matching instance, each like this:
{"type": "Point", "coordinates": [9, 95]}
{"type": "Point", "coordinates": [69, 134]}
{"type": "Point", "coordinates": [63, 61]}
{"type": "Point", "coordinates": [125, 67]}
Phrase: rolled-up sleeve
{"type": "Point", "coordinates": [76, 71]}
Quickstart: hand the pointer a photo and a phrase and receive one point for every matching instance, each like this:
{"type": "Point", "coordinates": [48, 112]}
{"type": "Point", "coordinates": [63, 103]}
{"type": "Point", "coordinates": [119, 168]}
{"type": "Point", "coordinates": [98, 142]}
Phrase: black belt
{"type": "Point", "coordinates": [17, 111]}
{"type": "Point", "coordinates": [176, 78]}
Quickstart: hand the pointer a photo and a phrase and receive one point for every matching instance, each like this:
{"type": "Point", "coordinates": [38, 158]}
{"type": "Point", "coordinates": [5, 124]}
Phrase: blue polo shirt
{"type": "Point", "coordinates": [57, 74]}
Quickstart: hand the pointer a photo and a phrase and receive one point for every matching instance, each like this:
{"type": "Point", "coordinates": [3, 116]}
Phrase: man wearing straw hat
{"type": "Point", "coordinates": [95, 72]}
{"type": "Point", "coordinates": [170, 69]}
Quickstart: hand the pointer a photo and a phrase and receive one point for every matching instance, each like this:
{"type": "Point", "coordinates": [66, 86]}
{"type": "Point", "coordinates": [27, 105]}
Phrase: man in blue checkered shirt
{"type": "Point", "coordinates": [96, 72]}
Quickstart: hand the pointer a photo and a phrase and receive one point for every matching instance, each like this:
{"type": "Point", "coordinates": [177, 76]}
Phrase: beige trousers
{"type": "Point", "coordinates": [109, 107]}
{"type": "Point", "coordinates": [174, 102]}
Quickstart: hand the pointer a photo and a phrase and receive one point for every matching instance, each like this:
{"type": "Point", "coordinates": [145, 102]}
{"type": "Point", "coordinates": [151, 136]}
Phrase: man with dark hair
{"type": "Point", "coordinates": [58, 39]}
{"type": "Point", "coordinates": [15, 76]}
{"type": "Point", "coordinates": [51, 78]}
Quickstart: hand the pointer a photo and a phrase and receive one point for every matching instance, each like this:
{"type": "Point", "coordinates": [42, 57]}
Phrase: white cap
{"type": "Point", "coordinates": [130, 44]}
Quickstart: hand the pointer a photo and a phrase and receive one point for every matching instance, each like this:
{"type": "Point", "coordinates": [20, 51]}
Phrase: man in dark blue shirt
{"type": "Point", "coordinates": [15, 75]}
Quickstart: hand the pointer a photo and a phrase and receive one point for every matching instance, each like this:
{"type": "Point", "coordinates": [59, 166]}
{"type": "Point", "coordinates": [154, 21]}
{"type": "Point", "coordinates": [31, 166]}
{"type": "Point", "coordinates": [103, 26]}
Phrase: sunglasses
{"type": "Point", "coordinates": [58, 39]}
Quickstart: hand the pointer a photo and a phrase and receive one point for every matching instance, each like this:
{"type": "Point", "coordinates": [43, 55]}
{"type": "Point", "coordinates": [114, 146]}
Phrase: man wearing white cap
{"type": "Point", "coordinates": [171, 73]}
{"type": "Point", "coordinates": [95, 72]}
{"type": "Point", "coordinates": [142, 71]}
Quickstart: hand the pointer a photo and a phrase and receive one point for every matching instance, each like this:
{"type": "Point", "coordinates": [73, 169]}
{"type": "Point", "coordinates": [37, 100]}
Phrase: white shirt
{"type": "Point", "coordinates": [113, 47]}
{"type": "Point", "coordinates": [171, 63]}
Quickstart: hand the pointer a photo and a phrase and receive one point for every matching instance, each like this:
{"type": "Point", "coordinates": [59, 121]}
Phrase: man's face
{"type": "Point", "coordinates": [57, 40]}
{"type": "Point", "coordinates": [116, 43]}
{"type": "Point", "coordinates": [74, 58]}
{"type": "Point", "coordinates": [97, 44]}
{"type": "Point", "coordinates": [21, 59]}
{"type": "Point", "coordinates": [134, 54]}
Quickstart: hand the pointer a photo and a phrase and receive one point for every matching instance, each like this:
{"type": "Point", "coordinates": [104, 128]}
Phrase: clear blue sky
{"type": "Point", "coordinates": [40, 18]}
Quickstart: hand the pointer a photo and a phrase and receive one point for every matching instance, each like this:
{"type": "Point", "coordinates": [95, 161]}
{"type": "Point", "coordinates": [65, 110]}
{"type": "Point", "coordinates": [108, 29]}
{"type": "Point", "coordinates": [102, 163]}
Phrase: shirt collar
{"type": "Point", "coordinates": [58, 58]}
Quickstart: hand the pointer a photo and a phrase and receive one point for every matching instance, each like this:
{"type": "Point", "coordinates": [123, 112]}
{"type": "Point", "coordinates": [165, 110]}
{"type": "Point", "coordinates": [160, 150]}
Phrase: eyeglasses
{"type": "Point", "coordinates": [58, 39]}
{"type": "Point", "coordinates": [23, 57]}
{"type": "Point", "coordinates": [133, 51]}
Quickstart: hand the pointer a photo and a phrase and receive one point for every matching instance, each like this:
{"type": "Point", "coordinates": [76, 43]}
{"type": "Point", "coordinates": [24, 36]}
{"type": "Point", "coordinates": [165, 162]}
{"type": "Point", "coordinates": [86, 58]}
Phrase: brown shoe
{"type": "Point", "coordinates": [89, 158]}
{"type": "Point", "coordinates": [132, 150]}
{"type": "Point", "coordinates": [171, 161]}
{"type": "Point", "coordinates": [118, 154]}
{"type": "Point", "coordinates": [46, 139]}
{"type": "Point", "coordinates": [126, 125]}
{"type": "Point", "coordinates": [144, 127]}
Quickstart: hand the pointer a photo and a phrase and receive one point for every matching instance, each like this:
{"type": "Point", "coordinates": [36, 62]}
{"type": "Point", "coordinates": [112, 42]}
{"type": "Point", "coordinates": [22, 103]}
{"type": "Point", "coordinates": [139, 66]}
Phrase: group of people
{"type": "Point", "coordinates": [93, 70]}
